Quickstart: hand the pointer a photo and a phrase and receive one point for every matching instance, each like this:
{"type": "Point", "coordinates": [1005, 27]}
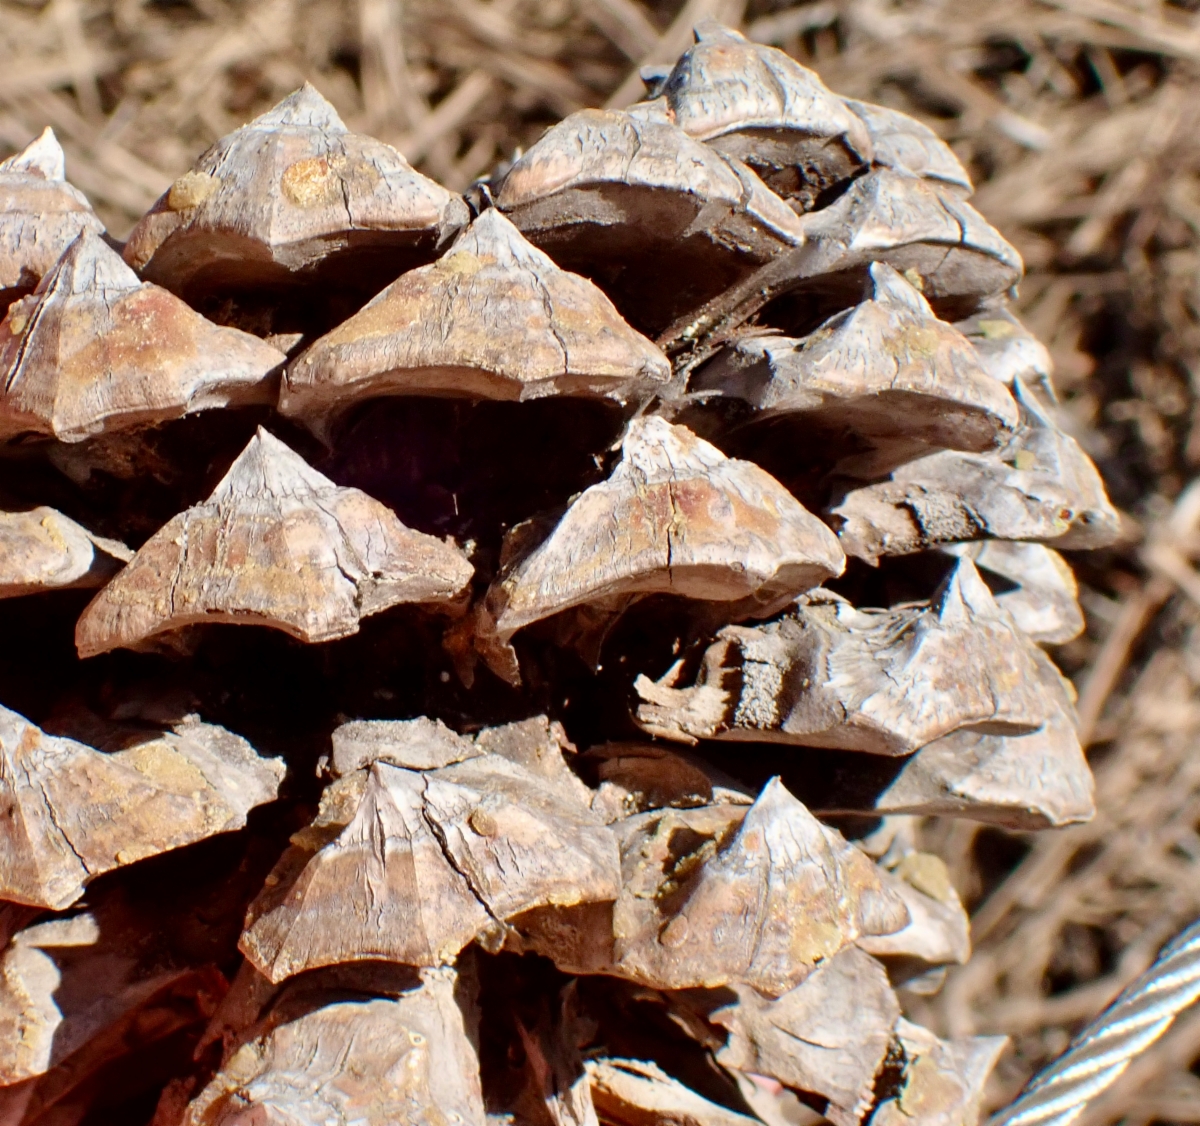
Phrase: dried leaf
{"type": "Point", "coordinates": [44, 550]}
{"type": "Point", "coordinates": [883, 681]}
{"type": "Point", "coordinates": [276, 544]}
{"type": "Point", "coordinates": [1044, 602]}
{"type": "Point", "coordinates": [75, 812]}
{"type": "Point", "coordinates": [639, 1093]}
{"type": "Point", "coordinates": [40, 215]}
{"type": "Point", "coordinates": [827, 1036]}
{"type": "Point", "coordinates": [757, 104]}
{"type": "Point", "coordinates": [727, 895]}
{"type": "Point", "coordinates": [662, 222]}
{"type": "Point", "coordinates": [293, 197]}
{"type": "Point", "coordinates": [908, 145]}
{"type": "Point", "coordinates": [428, 863]}
{"type": "Point", "coordinates": [374, 1061]}
{"type": "Point", "coordinates": [887, 371]}
{"type": "Point", "coordinates": [93, 350]}
{"type": "Point", "coordinates": [1040, 487]}
{"type": "Point", "coordinates": [943, 1079]}
{"type": "Point", "coordinates": [675, 516]}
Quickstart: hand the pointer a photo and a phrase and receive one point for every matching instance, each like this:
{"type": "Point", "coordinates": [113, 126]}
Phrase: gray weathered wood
{"type": "Point", "coordinates": [887, 371]}
{"type": "Point", "coordinates": [1041, 486]}
{"type": "Point", "coordinates": [276, 544]}
{"type": "Point", "coordinates": [428, 863]}
{"type": "Point", "coordinates": [882, 681]}
{"type": "Point", "coordinates": [286, 195]}
{"type": "Point", "coordinates": [44, 550]}
{"type": "Point", "coordinates": [904, 143]}
{"type": "Point", "coordinates": [757, 104]}
{"type": "Point", "coordinates": [494, 318]}
{"type": "Point", "coordinates": [93, 350]}
{"type": "Point", "coordinates": [1045, 603]}
{"type": "Point", "coordinates": [943, 1080]}
{"type": "Point", "coordinates": [75, 812]}
{"type": "Point", "coordinates": [827, 1036]}
{"type": "Point", "coordinates": [640, 1093]}
{"type": "Point", "coordinates": [40, 215]}
{"type": "Point", "coordinates": [376, 1062]}
{"type": "Point", "coordinates": [675, 516]}
{"type": "Point", "coordinates": [620, 197]}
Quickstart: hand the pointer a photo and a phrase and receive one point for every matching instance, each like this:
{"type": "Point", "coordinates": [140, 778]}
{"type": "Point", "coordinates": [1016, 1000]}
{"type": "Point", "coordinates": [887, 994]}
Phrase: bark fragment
{"type": "Point", "coordinates": [276, 544]}
{"type": "Point", "coordinates": [1041, 486]}
{"type": "Point", "coordinates": [1045, 601]}
{"type": "Point", "coordinates": [907, 145]}
{"type": "Point", "coordinates": [639, 1093]}
{"type": "Point", "coordinates": [428, 863]}
{"type": "Point", "coordinates": [40, 215]}
{"type": "Point", "coordinates": [494, 318]}
{"type": "Point", "coordinates": [887, 371]}
{"type": "Point", "coordinates": [375, 1061]}
{"type": "Point", "coordinates": [724, 895]}
{"type": "Point", "coordinates": [75, 812]}
{"type": "Point", "coordinates": [828, 1036]}
{"type": "Point", "coordinates": [293, 198]}
{"type": "Point", "coordinates": [44, 550]}
{"type": "Point", "coordinates": [660, 221]}
{"type": "Point", "coordinates": [758, 105]}
{"type": "Point", "coordinates": [93, 351]}
{"type": "Point", "coordinates": [675, 516]}
{"type": "Point", "coordinates": [882, 681]}
{"type": "Point", "coordinates": [943, 1080]}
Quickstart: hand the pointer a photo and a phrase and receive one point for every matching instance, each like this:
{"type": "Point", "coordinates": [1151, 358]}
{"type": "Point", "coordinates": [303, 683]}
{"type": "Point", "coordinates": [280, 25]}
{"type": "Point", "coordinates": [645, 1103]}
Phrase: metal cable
{"type": "Point", "coordinates": [1059, 1094]}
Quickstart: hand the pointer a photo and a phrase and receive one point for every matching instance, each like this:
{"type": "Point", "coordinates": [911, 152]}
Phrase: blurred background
{"type": "Point", "coordinates": [1080, 122]}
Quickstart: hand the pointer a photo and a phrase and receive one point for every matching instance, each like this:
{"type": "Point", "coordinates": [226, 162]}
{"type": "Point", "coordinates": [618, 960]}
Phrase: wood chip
{"type": "Point", "coordinates": [93, 350]}
{"type": "Point", "coordinates": [276, 544]}
{"type": "Point", "coordinates": [886, 371]}
{"type": "Point", "coordinates": [639, 1093]}
{"type": "Point", "coordinates": [882, 681]}
{"type": "Point", "coordinates": [44, 550]}
{"type": "Point", "coordinates": [494, 318]}
{"type": "Point", "coordinates": [675, 516]}
{"type": "Point", "coordinates": [902, 142]}
{"type": "Point", "coordinates": [76, 812]}
{"type": "Point", "coordinates": [660, 221]}
{"type": "Point", "coordinates": [372, 1061]}
{"type": "Point", "coordinates": [40, 215]}
{"type": "Point", "coordinates": [943, 1080]}
{"type": "Point", "coordinates": [428, 863]}
{"type": "Point", "coordinates": [726, 895]}
{"type": "Point", "coordinates": [293, 198]}
{"type": "Point", "coordinates": [828, 1036]}
{"type": "Point", "coordinates": [1045, 599]}
{"type": "Point", "coordinates": [757, 104]}
{"type": "Point", "coordinates": [1041, 486]}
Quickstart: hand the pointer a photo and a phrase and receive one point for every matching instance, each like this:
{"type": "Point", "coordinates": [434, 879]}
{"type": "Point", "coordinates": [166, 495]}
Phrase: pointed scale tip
{"type": "Point", "coordinates": [42, 157]}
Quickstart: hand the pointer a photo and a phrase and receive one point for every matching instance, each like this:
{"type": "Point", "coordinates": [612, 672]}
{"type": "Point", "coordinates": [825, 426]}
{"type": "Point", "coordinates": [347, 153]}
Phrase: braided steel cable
{"type": "Point", "coordinates": [1145, 1009]}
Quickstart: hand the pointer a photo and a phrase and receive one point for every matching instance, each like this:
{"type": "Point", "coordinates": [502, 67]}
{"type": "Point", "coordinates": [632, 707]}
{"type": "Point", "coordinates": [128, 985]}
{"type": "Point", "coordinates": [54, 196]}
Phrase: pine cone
{"type": "Point", "coordinates": [624, 534]}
